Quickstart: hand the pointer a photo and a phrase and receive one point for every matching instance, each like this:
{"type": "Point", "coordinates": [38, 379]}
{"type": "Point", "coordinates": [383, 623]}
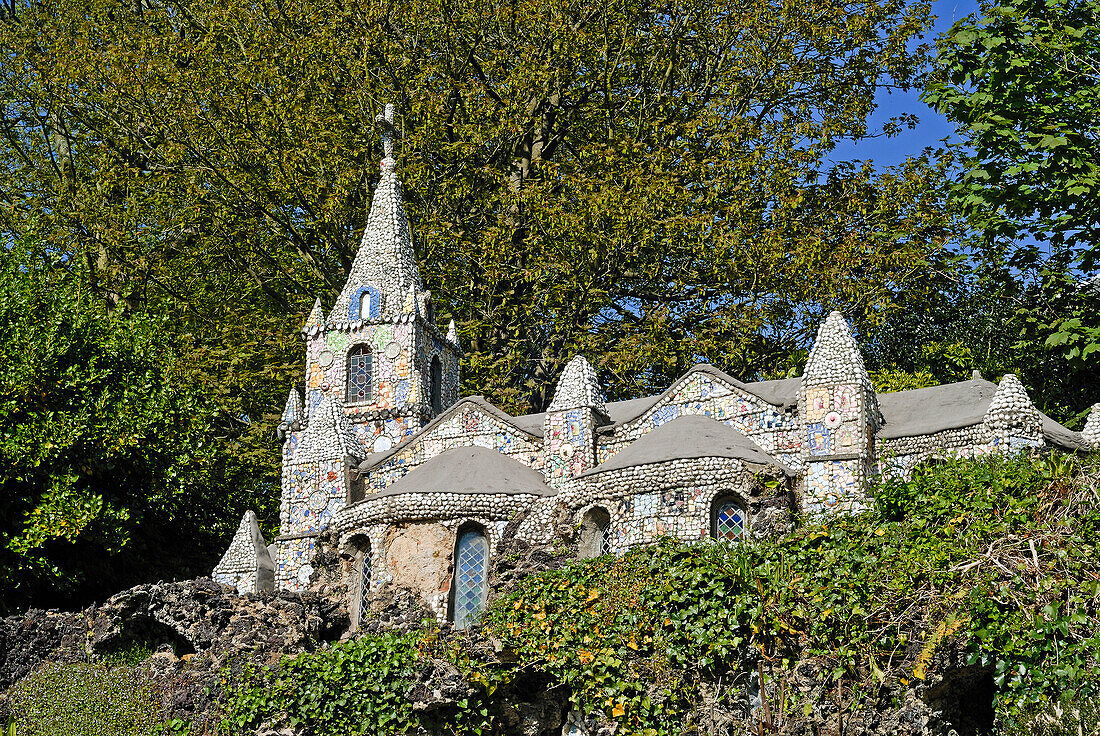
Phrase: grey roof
{"type": "Point", "coordinates": [469, 470]}
{"type": "Point", "coordinates": [685, 438]}
{"type": "Point", "coordinates": [936, 408]}
{"type": "Point", "coordinates": [954, 406]}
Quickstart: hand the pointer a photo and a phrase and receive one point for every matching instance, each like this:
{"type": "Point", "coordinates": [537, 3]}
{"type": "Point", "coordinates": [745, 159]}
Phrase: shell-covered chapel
{"type": "Point", "coordinates": [418, 486]}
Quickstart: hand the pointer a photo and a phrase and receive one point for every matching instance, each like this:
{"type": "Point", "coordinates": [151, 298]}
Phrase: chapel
{"type": "Point", "coordinates": [418, 484]}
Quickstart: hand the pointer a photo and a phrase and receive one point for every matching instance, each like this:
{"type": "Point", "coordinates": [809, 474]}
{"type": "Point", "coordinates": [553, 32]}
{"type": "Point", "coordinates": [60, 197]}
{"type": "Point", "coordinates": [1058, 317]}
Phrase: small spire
{"type": "Point", "coordinates": [835, 356]}
{"type": "Point", "coordinates": [578, 387]}
{"type": "Point", "coordinates": [329, 435]}
{"type": "Point", "coordinates": [452, 334]}
{"type": "Point", "coordinates": [1091, 431]}
{"type": "Point", "coordinates": [316, 317]}
{"type": "Point", "coordinates": [292, 412]}
{"type": "Point", "coordinates": [410, 306]}
{"type": "Point", "coordinates": [386, 260]}
{"type": "Point", "coordinates": [1011, 411]}
{"type": "Point", "coordinates": [247, 564]}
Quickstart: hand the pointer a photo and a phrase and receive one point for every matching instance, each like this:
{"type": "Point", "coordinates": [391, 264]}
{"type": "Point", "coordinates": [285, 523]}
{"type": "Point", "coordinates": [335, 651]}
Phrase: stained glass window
{"type": "Point", "coordinates": [359, 374]}
{"type": "Point", "coordinates": [471, 569]}
{"type": "Point", "coordinates": [436, 383]}
{"type": "Point", "coordinates": [729, 521]}
{"type": "Point", "coordinates": [364, 583]}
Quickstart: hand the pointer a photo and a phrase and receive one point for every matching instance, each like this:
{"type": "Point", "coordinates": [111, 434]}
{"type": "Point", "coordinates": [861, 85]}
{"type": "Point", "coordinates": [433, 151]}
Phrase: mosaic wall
{"type": "Point", "coordinates": [774, 430]}
{"type": "Point", "coordinates": [469, 425]}
{"type": "Point", "coordinates": [647, 502]}
{"type": "Point", "coordinates": [435, 596]}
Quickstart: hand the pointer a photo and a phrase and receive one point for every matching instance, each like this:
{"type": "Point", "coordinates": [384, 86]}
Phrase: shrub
{"type": "Point", "coordinates": [86, 700]}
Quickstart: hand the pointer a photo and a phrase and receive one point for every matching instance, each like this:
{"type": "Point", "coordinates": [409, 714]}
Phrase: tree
{"type": "Point", "coordinates": [641, 180]}
{"type": "Point", "coordinates": [116, 467]}
{"type": "Point", "coordinates": [1022, 83]}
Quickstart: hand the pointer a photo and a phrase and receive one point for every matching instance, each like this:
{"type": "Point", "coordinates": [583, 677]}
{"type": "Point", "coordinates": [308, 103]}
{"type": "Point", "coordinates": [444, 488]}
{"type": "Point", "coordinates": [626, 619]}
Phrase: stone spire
{"type": "Point", "coordinates": [1011, 412]}
{"type": "Point", "coordinates": [578, 387]}
{"type": "Point", "coordinates": [835, 357]}
{"type": "Point", "coordinates": [246, 564]}
{"type": "Point", "coordinates": [1091, 431]}
{"type": "Point", "coordinates": [316, 317]}
{"type": "Point", "coordinates": [385, 266]}
{"type": "Point", "coordinates": [452, 334]}
{"type": "Point", "coordinates": [329, 435]}
{"type": "Point", "coordinates": [291, 420]}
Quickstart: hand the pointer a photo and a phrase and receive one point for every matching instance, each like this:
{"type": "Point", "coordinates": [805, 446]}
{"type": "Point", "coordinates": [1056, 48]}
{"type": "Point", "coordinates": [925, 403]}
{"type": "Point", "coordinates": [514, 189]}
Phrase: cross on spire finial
{"type": "Point", "coordinates": [387, 132]}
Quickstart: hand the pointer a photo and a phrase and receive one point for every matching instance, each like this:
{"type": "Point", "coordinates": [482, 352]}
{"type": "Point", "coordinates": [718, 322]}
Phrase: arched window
{"type": "Point", "coordinates": [359, 374]}
{"type": "Point", "coordinates": [365, 310]}
{"type": "Point", "coordinates": [595, 536]}
{"type": "Point", "coordinates": [729, 521]}
{"type": "Point", "coordinates": [435, 383]}
{"type": "Point", "coordinates": [364, 583]}
{"type": "Point", "coordinates": [471, 575]}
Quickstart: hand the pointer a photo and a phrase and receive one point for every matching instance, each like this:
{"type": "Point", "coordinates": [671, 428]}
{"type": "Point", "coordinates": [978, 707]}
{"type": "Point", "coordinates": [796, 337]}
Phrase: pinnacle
{"type": "Point", "coordinates": [578, 387]}
{"type": "Point", "coordinates": [452, 334]}
{"type": "Point", "coordinates": [316, 316]}
{"type": "Point", "coordinates": [386, 261]}
{"type": "Point", "coordinates": [1011, 408]}
{"type": "Point", "coordinates": [292, 412]}
{"type": "Point", "coordinates": [329, 436]}
{"type": "Point", "coordinates": [835, 356]}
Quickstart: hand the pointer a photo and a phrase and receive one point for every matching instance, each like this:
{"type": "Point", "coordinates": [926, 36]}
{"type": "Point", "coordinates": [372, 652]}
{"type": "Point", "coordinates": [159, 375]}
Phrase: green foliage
{"type": "Point", "coordinates": [85, 700]}
{"type": "Point", "coordinates": [1022, 84]}
{"type": "Point", "coordinates": [356, 687]}
{"type": "Point", "coordinates": [850, 592]}
{"type": "Point", "coordinates": [110, 449]}
{"type": "Point", "coordinates": [996, 557]}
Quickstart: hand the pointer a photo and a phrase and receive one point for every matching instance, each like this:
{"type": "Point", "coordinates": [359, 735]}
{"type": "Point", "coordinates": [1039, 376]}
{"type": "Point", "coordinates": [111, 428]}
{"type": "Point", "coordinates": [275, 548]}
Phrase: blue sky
{"type": "Point", "coordinates": [932, 127]}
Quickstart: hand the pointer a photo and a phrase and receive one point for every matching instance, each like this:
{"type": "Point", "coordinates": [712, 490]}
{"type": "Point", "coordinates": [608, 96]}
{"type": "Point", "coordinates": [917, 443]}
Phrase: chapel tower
{"type": "Point", "coordinates": [378, 369]}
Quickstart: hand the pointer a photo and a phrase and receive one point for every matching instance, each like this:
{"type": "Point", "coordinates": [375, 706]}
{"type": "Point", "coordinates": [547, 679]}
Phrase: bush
{"type": "Point", "coordinates": [86, 700]}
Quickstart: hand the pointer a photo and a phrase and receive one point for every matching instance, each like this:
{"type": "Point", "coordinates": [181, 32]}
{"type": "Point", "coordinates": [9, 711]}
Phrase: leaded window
{"type": "Point", "coordinates": [359, 374]}
{"type": "Point", "coordinates": [364, 582]}
{"type": "Point", "coordinates": [436, 384]}
{"type": "Point", "coordinates": [471, 571]}
{"type": "Point", "coordinates": [729, 521]}
{"type": "Point", "coordinates": [595, 533]}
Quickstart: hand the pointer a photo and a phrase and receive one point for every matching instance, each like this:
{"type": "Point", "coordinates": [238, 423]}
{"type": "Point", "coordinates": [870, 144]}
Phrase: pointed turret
{"type": "Point", "coordinates": [569, 432]}
{"type": "Point", "coordinates": [835, 356]}
{"type": "Point", "coordinates": [247, 564]}
{"type": "Point", "coordinates": [291, 419]}
{"type": "Point", "coordinates": [316, 319]}
{"type": "Point", "coordinates": [385, 265]}
{"type": "Point", "coordinates": [839, 411]}
{"type": "Point", "coordinates": [1091, 431]}
{"type": "Point", "coordinates": [329, 435]}
{"type": "Point", "coordinates": [578, 387]}
{"type": "Point", "coordinates": [1011, 417]}
{"type": "Point", "coordinates": [452, 335]}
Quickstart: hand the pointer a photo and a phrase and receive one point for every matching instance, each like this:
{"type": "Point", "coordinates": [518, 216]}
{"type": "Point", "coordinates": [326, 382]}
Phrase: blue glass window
{"type": "Point", "coordinates": [729, 521]}
{"type": "Point", "coordinates": [471, 572]}
{"type": "Point", "coordinates": [359, 374]}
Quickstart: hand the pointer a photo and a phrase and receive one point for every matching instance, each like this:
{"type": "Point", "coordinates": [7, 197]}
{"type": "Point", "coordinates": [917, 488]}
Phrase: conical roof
{"type": "Point", "coordinates": [385, 265]}
{"type": "Point", "coordinates": [329, 435]}
{"type": "Point", "coordinates": [835, 356]}
{"type": "Point", "coordinates": [578, 387]}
